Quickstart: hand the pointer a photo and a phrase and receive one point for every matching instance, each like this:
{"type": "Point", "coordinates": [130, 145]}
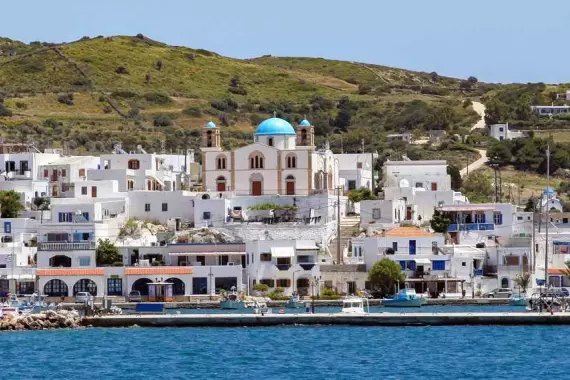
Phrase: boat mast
{"type": "Point", "coordinates": [547, 214]}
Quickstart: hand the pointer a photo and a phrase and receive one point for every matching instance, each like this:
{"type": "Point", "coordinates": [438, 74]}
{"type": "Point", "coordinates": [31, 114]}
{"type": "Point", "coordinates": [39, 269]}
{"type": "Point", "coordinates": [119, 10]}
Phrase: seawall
{"type": "Point", "coordinates": [372, 319]}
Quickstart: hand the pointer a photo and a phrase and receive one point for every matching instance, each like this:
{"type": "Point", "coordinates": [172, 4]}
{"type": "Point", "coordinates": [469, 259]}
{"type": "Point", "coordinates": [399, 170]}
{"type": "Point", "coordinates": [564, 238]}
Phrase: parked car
{"type": "Point", "coordinates": [556, 292]}
{"type": "Point", "coordinates": [83, 297]}
{"type": "Point", "coordinates": [499, 293]}
{"type": "Point", "coordinates": [134, 296]}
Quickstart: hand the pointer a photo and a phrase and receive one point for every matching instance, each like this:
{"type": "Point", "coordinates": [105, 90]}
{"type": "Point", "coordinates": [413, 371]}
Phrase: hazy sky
{"type": "Point", "coordinates": [494, 40]}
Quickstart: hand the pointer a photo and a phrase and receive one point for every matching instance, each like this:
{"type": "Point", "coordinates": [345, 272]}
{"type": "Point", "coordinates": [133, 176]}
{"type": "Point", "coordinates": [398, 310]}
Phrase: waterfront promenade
{"type": "Point", "coordinates": [372, 319]}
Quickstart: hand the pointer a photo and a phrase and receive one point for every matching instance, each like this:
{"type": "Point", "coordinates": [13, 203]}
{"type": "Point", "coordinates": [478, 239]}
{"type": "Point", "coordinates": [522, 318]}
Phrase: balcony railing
{"type": "Point", "coordinates": [471, 227]}
{"type": "Point", "coordinates": [283, 266]}
{"type": "Point", "coordinates": [66, 246]}
{"type": "Point", "coordinates": [307, 266]}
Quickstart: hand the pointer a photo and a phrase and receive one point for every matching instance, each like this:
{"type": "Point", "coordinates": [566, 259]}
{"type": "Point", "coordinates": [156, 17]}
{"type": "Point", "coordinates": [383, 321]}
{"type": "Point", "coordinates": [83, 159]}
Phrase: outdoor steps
{"type": "Point", "coordinates": [349, 228]}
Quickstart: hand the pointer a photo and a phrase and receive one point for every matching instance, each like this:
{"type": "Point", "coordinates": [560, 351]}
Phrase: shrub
{"type": "Point", "coordinates": [140, 36]}
{"type": "Point", "coordinates": [157, 98]}
{"type": "Point", "coordinates": [225, 119]}
{"type": "Point", "coordinates": [66, 99]}
{"type": "Point", "coordinates": [237, 90]}
{"type": "Point", "coordinates": [107, 109]}
{"type": "Point", "coordinates": [133, 112]}
{"type": "Point", "coordinates": [32, 65]}
{"type": "Point", "coordinates": [21, 105]}
{"type": "Point", "coordinates": [121, 70]}
{"type": "Point", "coordinates": [158, 65]}
{"type": "Point", "coordinates": [224, 104]}
{"type": "Point", "coordinates": [364, 89]}
{"type": "Point", "coordinates": [102, 98]}
{"type": "Point", "coordinates": [162, 121]}
{"type": "Point", "coordinates": [191, 56]}
{"type": "Point", "coordinates": [147, 78]}
{"type": "Point", "coordinates": [260, 287]}
{"type": "Point", "coordinates": [271, 206]}
{"type": "Point", "coordinates": [81, 82]}
{"type": "Point", "coordinates": [192, 111]}
{"type": "Point", "coordinates": [4, 111]}
{"type": "Point", "coordinates": [123, 94]}
{"type": "Point", "coordinates": [329, 294]}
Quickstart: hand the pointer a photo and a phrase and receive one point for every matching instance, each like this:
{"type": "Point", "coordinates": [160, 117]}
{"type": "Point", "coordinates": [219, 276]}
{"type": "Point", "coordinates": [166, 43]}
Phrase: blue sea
{"type": "Point", "coordinates": [292, 352]}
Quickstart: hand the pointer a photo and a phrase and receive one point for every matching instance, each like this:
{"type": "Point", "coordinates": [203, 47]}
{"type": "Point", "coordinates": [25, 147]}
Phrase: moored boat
{"type": "Point", "coordinates": [355, 305]}
{"type": "Point", "coordinates": [295, 302]}
{"type": "Point", "coordinates": [404, 298]}
{"type": "Point", "coordinates": [518, 300]}
{"type": "Point", "coordinates": [232, 301]}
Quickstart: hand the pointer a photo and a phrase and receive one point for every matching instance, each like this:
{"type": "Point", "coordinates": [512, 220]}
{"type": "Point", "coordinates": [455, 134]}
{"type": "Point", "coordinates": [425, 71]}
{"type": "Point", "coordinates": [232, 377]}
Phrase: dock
{"type": "Point", "coordinates": [371, 319]}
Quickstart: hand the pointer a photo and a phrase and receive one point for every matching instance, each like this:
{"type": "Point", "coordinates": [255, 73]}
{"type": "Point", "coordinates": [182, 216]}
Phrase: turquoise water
{"type": "Point", "coordinates": [292, 352]}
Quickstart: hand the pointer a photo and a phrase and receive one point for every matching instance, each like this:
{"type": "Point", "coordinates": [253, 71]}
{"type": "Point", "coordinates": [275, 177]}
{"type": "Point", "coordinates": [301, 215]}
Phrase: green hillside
{"type": "Point", "coordinates": [91, 93]}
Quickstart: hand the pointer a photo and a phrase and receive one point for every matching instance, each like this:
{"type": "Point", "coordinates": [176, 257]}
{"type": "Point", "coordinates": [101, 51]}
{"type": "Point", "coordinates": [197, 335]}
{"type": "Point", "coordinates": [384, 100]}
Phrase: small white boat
{"type": "Point", "coordinates": [355, 305]}
{"type": "Point", "coordinates": [260, 307]}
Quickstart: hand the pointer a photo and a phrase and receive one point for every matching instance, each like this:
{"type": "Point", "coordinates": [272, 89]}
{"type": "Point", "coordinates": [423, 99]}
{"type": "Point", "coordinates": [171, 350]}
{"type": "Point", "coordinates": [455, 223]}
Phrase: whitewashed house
{"type": "Point", "coordinates": [356, 169]}
{"type": "Point", "coordinates": [63, 172]}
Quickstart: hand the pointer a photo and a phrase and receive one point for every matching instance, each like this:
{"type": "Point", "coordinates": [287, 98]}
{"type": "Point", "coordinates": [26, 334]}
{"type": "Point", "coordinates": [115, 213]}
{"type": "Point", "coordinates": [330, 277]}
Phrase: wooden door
{"type": "Point", "coordinates": [221, 186]}
{"type": "Point", "coordinates": [256, 188]}
{"type": "Point", "coordinates": [93, 191]}
{"type": "Point", "coordinates": [291, 188]}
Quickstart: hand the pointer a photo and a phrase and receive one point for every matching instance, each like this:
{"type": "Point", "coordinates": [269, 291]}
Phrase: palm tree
{"type": "Point", "coordinates": [523, 281]}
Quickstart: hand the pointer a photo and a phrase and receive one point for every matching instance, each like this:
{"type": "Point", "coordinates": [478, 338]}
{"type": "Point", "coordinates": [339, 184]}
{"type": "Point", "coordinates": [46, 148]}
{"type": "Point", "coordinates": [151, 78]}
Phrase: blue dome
{"type": "Point", "coordinates": [210, 125]}
{"type": "Point", "coordinates": [305, 123]}
{"type": "Point", "coordinates": [275, 127]}
{"type": "Point", "coordinates": [549, 191]}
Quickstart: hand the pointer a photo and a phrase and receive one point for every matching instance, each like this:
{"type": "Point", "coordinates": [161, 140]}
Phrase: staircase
{"type": "Point", "coordinates": [349, 228]}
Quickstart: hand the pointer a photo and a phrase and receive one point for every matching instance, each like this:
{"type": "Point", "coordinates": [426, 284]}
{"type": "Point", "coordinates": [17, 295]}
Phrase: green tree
{"type": "Point", "coordinates": [500, 153]}
{"type": "Point", "coordinates": [41, 203]}
{"type": "Point", "coordinates": [472, 80]}
{"type": "Point", "coordinates": [440, 222]}
{"type": "Point", "coordinates": [477, 186]}
{"type": "Point", "coordinates": [456, 180]}
{"type": "Point", "coordinates": [530, 205]}
{"type": "Point", "coordinates": [495, 112]}
{"type": "Point", "coordinates": [107, 253]}
{"type": "Point", "coordinates": [434, 77]}
{"type": "Point", "coordinates": [384, 274]}
{"type": "Point", "coordinates": [523, 281]}
{"type": "Point", "coordinates": [362, 194]}
{"type": "Point", "coordinates": [10, 204]}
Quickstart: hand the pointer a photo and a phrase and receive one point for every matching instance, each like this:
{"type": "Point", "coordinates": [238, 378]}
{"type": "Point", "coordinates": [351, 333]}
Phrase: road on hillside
{"type": "Point", "coordinates": [475, 165]}
{"type": "Point", "coordinates": [480, 109]}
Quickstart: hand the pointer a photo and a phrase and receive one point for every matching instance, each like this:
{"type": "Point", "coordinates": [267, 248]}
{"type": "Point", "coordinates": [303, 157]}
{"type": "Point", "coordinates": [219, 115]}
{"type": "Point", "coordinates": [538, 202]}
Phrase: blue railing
{"type": "Point", "coordinates": [478, 272]}
{"type": "Point", "coordinates": [471, 227]}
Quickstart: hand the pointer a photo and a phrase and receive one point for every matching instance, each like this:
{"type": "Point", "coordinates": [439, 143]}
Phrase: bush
{"type": "Point", "coordinates": [81, 82]}
{"type": "Point", "coordinates": [133, 112]}
{"type": "Point", "coordinates": [121, 70]}
{"type": "Point", "coordinates": [192, 111]}
{"type": "Point", "coordinates": [329, 294]}
{"type": "Point", "coordinates": [66, 99]}
{"type": "Point", "coordinates": [260, 287]}
{"type": "Point", "coordinates": [162, 121]}
{"type": "Point", "coordinates": [140, 36]}
{"type": "Point", "coordinates": [364, 89]}
{"type": "Point", "coordinates": [224, 104]}
{"type": "Point", "coordinates": [33, 65]}
{"type": "Point", "coordinates": [124, 94]}
{"type": "Point", "coordinates": [118, 264]}
{"type": "Point", "coordinates": [157, 98]}
{"type": "Point", "coordinates": [190, 56]}
{"type": "Point", "coordinates": [237, 90]}
{"type": "Point", "coordinates": [158, 65]}
{"type": "Point", "coordinates": [21, 105]}
{"type": "Point", "coordinates": [271, 206]}
{"type": "Point", "coordinates": [4, 111]}
{"type": "Point", "coordinates": [107, 109]}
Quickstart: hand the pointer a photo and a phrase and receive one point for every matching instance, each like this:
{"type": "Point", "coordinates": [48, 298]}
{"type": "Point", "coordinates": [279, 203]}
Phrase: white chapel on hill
{"type": "Point", "coordinates": [280, 161]}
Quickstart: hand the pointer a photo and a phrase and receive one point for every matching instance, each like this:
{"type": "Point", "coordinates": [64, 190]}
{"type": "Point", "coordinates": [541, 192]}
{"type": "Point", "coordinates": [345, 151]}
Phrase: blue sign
{"type": "Point", "coordinates": [7, 227]}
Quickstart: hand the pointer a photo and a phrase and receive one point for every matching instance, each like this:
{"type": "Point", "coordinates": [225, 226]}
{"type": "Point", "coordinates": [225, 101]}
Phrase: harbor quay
{"type": "Point", "coordinates": [372, 319]}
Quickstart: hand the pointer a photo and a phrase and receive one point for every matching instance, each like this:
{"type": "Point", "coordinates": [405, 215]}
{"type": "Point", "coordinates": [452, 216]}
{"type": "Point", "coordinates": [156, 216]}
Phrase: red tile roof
{"type": "Point", "coordinates": [408, 232]}
{"type": "Point", "coordinates": [157, 270]}
{"type": "Point", "coordinates": [557, 271]}
{"type": "Point", "coordinates": [71, 272]}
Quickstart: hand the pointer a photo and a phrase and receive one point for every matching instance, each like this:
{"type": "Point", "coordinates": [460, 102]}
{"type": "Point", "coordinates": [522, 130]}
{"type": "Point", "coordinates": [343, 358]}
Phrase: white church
{"type": "Point", "coordinates": [280, 161]}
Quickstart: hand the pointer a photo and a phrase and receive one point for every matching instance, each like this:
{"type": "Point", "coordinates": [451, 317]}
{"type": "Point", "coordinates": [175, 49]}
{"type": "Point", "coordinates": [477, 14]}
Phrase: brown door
{"type": "Point", "coordinates": [434, 186]}
{"type": "Point", "coordinates": [93, 191]}
{"type": "Point", "coordinates": [408, 213]}
{"type": "Point", "coordinates": [291, 188]}
{"type": "Point", "coordinates": [256, 188]}
{"type": "Point", "coordinates": [221, 186]}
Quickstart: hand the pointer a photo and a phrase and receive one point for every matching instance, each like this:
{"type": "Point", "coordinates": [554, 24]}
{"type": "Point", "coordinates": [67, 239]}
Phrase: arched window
{"type": "Point", "coordinates": [221, 162]}
{"type": "Point", "coordinates": [85, 285]}
{"type": "Point", "coordinates": [142, 286]}
{"type": "Point", "coordinates": [504, 282]}
{"type": "Point", "coordinates": [270, 141]}
{"type": "Point", "coordinates": [209, 139]}
{"type": "Point", "coordinates": [177, 287]}
{"type": "Point", "coordinates": [290, 185]}
{"type": "Point", "coordinates": [130, 184]}
{"type": "Point", "coordinates": [55, 288]}
{"type": "Point", "coordinates": [134, 164]}
{"type": "Point", "coordinates": [304, 137]}
{"type": "Point", "coordinates": [291, 161]}
{"type": "Point", "coordinates": [256, 161]}
{"type": "Point", "coordinates": [60, 261]}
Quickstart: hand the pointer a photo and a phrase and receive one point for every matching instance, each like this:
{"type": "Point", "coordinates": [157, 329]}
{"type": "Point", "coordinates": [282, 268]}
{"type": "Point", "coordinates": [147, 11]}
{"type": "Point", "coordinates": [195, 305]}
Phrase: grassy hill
{"type": "Point", "coordinates": [91, 93]}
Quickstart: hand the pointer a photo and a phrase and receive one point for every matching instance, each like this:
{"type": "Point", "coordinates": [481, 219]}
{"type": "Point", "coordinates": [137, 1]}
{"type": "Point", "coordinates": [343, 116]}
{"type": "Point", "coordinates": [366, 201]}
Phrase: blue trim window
{"type": "Point", "coordinates": [7, 227]}
{"type": "Point", "coordinates": [403, 265]}
{"type": "Point", "coordinates": [438, 265]}
{"type": "Point", "coordinates": [395, 246]}
{"type": "Point", "coordinates": [65, 217]}
{"type": "Point", "coordinates": [84, 261]}
{"type": "Point", "coordinates": [498, 218]}
{"type": "Point", "coordinates": [86, 216]}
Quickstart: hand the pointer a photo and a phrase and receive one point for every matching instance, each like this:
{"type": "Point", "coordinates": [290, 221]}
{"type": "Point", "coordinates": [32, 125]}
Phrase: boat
{"type": "Point", "coordinates": [232, 301]}
{"type": "Point", "coordinates": [355, 305]}
{"type": "Point", "coordinates": [295, 302]}
{"type": "Point", "coordinates": [517, 300]}
{"type": "Point", "coordinates": [260, 307]}
{"type": "Point", "coordinates": [405, 298]}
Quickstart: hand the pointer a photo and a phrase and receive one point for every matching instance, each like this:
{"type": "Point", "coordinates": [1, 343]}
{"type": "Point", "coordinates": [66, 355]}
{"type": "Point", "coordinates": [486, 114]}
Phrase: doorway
{"type": "Point", "coordinates": [256, 188]}
{"type": "Point", "coordinates": [351, 287]}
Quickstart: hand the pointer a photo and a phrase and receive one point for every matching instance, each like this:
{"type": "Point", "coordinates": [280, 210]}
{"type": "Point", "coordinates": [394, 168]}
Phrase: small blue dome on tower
{"type": "Point", "coordinates": [549, 191]}
{"type": "Point", "coordinates": [275, 127]}
{"type": "Point", "coordinates": [305, 123]}
{"type": "Point", "coordinates": [210, 125]}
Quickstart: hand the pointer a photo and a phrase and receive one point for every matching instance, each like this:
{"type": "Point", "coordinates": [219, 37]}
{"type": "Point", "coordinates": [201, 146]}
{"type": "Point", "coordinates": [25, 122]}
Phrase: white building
{"type": "Point", "coordinates": [63, 172]}
{"type": "Point", "coordinates": [502, 132]}
{"type": "Point", "coordinates": [162, 206]}
{"type": "Point", "coordinates": [356, 169]}
{"type": "Point", "coordinates": [280, 161]}
{"type": "Point", "coordinates": [288, 264]}
{"type": "Point", "coordinates": [550, 110]}
{"type": "Point", "coordinates": [380, 214]}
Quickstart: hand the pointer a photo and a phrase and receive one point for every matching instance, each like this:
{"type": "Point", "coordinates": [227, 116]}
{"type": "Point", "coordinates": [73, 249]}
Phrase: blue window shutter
{"type": "Point", "coordinates": [60, 217]}
{"type": "Point", "coordinates": [438, 264]}
{"type": "Point", "coordinates": [483, 218]}
{"type": "Point", "coordinates": [500, 219]}
{"type": "Point", "coordinates": [86, 216]}
{"type": "Point", "coordinates": [8, 227]}
{"type": "Point", "coordinates": [403, 265]}
{"type": "Point", "coordinates": [412, 265]}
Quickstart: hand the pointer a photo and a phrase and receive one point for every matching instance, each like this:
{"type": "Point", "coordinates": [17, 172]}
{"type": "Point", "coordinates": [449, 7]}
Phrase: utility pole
{"type": "Point", "coordinates": [338, 245]}
{"type": "Point", "coordinates": [547, 215]}
{"type": "Point", "coordinates": [500, 186]}
{"type": "Point", "coordinates": [533, 249]}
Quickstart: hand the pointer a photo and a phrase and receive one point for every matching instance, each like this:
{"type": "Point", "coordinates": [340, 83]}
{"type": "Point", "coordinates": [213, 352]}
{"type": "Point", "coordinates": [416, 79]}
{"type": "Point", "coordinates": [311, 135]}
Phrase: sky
{"type": "Point", "coordinates": [493, 40]}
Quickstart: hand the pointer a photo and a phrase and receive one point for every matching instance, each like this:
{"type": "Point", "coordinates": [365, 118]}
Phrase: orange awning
{"type": "Point", "coordinates": [157, 270]}
{"type": "Point", "coordinates": [557, 271]}
{"type": "Point", "coordinates": [71, 272]}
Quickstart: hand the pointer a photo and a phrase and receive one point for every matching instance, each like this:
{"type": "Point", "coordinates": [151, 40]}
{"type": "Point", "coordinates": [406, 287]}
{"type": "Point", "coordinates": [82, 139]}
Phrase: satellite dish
{"type": "Point", "coordinates": [404, 183]}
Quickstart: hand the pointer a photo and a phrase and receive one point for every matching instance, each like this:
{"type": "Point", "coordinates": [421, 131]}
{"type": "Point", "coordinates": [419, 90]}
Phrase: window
{"type": "Point", "coordinates": [438, 265]}
{"type": "Point", "coordinates": [270, 141]}
{"type": "Point", "coordinates": [395, 246]}
{"type": "Point", "coordinates": [147, 207]}
{"type": "Point", "coordinates": [93, 191]}
{"type": "Point", "coordinates": [375, 213]}
{"type": "Point", "coordinates": [519, 218]}
{"type": "Point", "coordinates": [403, 265]}
{"type": "Point", "coordinates": [115, 286]}
{"type": "Point", "coordinates": [419, 185]}
{"type": "Point", "coordinates": [463, 264]}
{"type": "Point", "coordinates": [221, 162]}
{"type": "Point", "coordinates": [64, 172]}
{"type": "Point", "coordinates": [434, 186]}
{"type": "Point", "coordinates": [134, 164]}
{"type": "Point", "coordinates": [291, 161]}
{"type": "Point", "coordinates": [351, 185]}
{"type": "Point", "coordinates": [86, 216]}
{"type": "Point", "coordinates": [164, 207]}
{"type": "Point", "coordinates": [501, 129]}
{"type": "Point", "coordinates": [268, 282]}
{"type": "Point", "coordinates": [206, 215]}
{"type": "Point", "coordinates": [26, 287]}
{"type": "Point", "coordinates": [283, 283]}
{"type": "Point", "coordinates": [7, 227]}
{"type": "Point", "coordinates": [498, 218]}
{"type": "Point", "coordinates": [65, 217]}
{"type": "Point", "coordinates": [265, 257]}
{"type": "Point", "coordinates": [83, 190]}
{"type": "Point", "coordinates": [84, 261]}
{"type": "Point", "coordinates": [256, 161]}
{"type": "Point", "coordinates": [82, 172]}
{"type": "Point", "coordinates": [46, 173]}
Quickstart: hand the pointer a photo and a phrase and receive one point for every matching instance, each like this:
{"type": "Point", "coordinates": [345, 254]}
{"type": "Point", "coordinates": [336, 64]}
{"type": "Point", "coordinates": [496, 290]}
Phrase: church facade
{"type": "Point", "coordinates": [281, 160]}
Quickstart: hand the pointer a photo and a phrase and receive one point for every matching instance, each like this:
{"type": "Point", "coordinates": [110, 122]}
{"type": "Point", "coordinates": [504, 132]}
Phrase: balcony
{"type": "Point", "coordinates": [66, 246]}
{"type": "Point", "coordinates": [307, 266]}
{"type": "Point", "coordinates": [471, 227]}
{"type": "Point", "coordinates": [283, 266]}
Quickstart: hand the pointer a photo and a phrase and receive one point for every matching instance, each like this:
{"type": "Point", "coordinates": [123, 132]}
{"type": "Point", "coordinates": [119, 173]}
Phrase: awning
{"type": "Point", "coordinates": [469, 207]}
{"type": "Point", "coordinates": [306, 244]}
{"type": "Point", "coordinates": [21, 277]}
{"type": "Point", "coordinates": [205, 253]}
{"type": "Point", "coordinates": [282, 252]}
{"type": "Point", "coordinates": [422, 261]}
{"type": "Point", "coordinates": [157, 270]}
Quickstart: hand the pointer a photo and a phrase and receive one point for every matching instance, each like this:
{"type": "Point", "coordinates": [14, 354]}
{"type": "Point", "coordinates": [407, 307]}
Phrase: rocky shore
{"type": "Point", "coordinates": [49, 320]}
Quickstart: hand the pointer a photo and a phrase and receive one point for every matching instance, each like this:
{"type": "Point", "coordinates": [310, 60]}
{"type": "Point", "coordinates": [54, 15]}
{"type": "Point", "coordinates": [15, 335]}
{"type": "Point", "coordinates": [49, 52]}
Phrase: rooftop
{"type": "Point", "coordinates": [415, 163]}
{"type": "Point", "coordinates": [408, 232]}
